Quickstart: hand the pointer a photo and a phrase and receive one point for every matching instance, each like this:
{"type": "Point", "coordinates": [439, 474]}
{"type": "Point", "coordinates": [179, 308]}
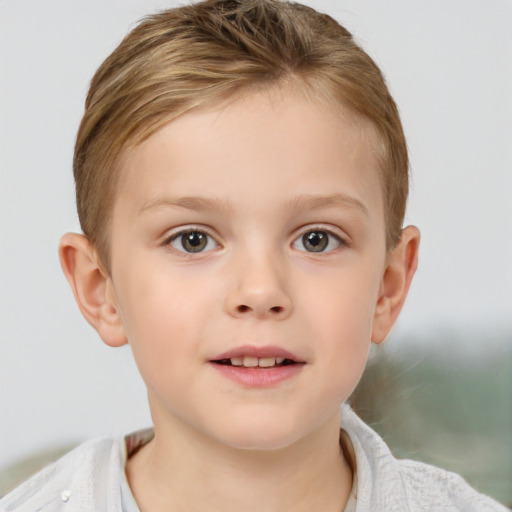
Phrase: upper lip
{"type": "Point", "coordinates": [259, 352]}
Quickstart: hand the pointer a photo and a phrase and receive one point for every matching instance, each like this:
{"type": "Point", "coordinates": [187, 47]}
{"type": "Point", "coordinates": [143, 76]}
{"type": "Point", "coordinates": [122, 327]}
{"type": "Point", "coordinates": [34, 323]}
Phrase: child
{"type": "Point", "coordinates": [241, 177]}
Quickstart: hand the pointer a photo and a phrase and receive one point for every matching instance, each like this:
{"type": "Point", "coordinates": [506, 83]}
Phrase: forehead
{"type": "Point", "coordinates": [279, 136]}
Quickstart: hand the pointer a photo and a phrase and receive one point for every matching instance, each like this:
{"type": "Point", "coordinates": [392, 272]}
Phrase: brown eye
{"type": "Point", "coordinates": [192, 241]}
{"type": "Point", "coordinates": [317, 240]}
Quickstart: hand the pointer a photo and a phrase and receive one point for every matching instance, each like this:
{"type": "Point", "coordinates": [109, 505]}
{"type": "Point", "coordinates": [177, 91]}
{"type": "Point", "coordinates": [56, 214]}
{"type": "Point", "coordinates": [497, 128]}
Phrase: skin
{"type": "Point", "coordinates": [254, 175]}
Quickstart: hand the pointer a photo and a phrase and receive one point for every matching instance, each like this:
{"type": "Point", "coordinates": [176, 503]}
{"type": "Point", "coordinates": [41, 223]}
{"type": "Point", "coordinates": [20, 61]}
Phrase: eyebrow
{"type": "Point", "coordinates": [299, 203]}
{"type": "Point", "coordinates": [189, 203]}
{"type": "Point", "coordinates": [317, 202]}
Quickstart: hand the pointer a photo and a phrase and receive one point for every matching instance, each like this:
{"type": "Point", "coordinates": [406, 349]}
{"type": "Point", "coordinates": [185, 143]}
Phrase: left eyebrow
{"type": "Point", "coordinates": [188, 203]}
{"type": "Point", "coordinates": [316, 202]}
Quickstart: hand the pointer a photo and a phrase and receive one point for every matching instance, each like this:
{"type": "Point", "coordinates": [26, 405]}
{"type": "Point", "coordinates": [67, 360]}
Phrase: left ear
{"type": "Point", "coordinates": [402, 262]}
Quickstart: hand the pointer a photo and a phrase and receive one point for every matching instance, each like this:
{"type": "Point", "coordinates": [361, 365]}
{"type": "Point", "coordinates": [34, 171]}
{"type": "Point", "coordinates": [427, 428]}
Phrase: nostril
{"type": "Point", "coordinates": [275, 310]}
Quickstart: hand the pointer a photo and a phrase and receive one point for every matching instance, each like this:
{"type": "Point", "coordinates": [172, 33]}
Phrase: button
{"type": "Point", "coordinates": [65, 496]}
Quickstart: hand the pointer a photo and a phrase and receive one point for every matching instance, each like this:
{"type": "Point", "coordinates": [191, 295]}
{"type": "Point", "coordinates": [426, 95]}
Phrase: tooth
{"type": "Point", "coordinates": [279, 360]}
{"type": "Point", "coordinates": [250, 362]}
{"type": "Point", "coordinates": [236, 361]}
{"type": "Point", "coordinates": [266, 362]}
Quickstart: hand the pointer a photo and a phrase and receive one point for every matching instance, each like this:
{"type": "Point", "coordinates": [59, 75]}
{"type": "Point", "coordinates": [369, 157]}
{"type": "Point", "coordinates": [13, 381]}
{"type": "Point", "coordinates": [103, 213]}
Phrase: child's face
{"type": "Point", "coordinates": [283, 256]}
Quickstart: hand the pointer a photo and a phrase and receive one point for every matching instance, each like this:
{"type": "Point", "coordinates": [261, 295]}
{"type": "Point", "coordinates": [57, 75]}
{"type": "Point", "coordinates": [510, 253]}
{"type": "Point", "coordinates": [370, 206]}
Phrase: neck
{"type": "Point", "coordinates": [198, 474]}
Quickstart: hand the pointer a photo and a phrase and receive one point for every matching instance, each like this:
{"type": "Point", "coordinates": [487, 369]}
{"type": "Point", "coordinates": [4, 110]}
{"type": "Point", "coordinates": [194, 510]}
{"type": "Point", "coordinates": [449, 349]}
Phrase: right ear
{"type": "Point", "coordinates": [92, 287]}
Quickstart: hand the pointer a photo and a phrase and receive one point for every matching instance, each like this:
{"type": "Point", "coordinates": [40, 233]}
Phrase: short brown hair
{"type": "Point", "coordinates": [181, 58]}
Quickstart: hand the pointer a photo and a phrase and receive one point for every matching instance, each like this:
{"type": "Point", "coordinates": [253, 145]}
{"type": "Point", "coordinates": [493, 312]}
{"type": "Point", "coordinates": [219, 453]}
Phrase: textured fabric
{"type": "Point", "coordinates": [89, 479]}
{"type": "Point", "coordinates": [386, 484]}
{"type": "Point", "coordinates": [128, 503]}
{"type": "Point", "coordinates": [86, 479]}
{"type": "Point", "coordinates": [132, 444]}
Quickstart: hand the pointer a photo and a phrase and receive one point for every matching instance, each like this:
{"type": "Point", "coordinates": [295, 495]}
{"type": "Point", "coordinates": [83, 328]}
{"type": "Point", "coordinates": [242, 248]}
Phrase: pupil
{"type": "Point", "coordinates": [315, 241]}
{"type": "Point", "coordinates": [194, 241]}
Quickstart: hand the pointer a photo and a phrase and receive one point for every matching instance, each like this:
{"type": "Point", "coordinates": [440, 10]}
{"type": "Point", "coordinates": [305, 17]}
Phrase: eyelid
{"type": "Point", "coordinates": [175, 233]}
{"type": "Point", "coordinates": [329, 229]}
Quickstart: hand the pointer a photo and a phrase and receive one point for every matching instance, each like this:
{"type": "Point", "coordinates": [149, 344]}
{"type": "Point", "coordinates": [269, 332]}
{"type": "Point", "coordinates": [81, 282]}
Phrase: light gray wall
{"type": "Point", "coordinates": [448, 65]}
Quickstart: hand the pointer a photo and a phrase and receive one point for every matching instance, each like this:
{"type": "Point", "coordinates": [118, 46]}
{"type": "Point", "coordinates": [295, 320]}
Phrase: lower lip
{"type": "Point", "coordinates": [259, 377]}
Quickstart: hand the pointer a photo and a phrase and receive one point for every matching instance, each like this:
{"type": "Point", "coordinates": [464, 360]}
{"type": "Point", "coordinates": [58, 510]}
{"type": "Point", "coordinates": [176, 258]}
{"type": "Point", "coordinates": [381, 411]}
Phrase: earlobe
{"type": "Point", "coordinates": [400, 269]}
{"type": "Point", "coordinates": [92, 288]}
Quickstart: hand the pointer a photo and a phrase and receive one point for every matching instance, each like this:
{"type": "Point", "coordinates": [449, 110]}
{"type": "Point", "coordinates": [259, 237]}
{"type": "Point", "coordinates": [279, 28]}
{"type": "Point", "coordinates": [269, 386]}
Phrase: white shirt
{"type": "Point", "coordinates": [90, 477]}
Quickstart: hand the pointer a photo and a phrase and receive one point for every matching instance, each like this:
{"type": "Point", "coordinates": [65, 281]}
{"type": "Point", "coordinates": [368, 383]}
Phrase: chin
{"type": "Point", "coordinates": [258, 442]}
{"type": "Point", "coordinates": [260, 435]}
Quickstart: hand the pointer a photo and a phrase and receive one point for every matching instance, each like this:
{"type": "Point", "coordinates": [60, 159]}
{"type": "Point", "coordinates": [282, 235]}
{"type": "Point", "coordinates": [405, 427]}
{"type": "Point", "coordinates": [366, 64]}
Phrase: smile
{"type": "Point", "coordinates": [256, 362]}
{"type": "Point", "coordinates": [258, 367]}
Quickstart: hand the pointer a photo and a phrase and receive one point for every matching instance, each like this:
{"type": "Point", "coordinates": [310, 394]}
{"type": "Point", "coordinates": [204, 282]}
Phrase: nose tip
{"type": "Point", "coordinates": [258, 292]}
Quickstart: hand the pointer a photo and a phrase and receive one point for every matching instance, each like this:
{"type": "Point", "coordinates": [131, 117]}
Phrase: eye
{"type": "Point", "coordinates": [192, 241]}
{"type": "Point", "coordinates": [317, 240]}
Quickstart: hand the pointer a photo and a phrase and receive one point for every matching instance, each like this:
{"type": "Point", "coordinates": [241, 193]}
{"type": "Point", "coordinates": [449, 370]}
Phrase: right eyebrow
{"type": "Point", "coordinates": [188, 203]}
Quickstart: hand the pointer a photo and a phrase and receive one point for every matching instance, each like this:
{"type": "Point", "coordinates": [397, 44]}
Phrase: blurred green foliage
{"type": "Point", "coordinates": [451, 412]}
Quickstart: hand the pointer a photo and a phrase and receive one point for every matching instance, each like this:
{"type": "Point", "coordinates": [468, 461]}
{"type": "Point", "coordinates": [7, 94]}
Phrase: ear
{"type": "Point", "coordinates": [401, 265]}
{"type": "Point", "coordinates": [92, 287]}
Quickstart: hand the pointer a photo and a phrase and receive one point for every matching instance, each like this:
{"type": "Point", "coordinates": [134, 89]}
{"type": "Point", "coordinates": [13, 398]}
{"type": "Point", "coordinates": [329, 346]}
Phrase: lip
{"type": "Point", "coordinates": [253, 351]}
{"type": "Point", "coordinates": [258, 377]}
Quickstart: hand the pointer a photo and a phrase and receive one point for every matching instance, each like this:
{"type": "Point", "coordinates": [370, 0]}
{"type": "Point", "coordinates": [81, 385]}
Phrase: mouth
{"type": "Point", "coordinates": [256, 362]}
{"type": "Point", "coordinates": [258, 367]}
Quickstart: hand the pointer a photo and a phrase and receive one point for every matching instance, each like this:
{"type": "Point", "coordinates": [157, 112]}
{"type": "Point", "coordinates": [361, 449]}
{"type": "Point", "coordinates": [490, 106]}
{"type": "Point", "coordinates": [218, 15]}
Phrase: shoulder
{"type": "Point", "coordinates": [437, 489]}
{"type": "Point", "coordinates": [92, 469]}
{"type": "Point", "coordinates": [388, 484]}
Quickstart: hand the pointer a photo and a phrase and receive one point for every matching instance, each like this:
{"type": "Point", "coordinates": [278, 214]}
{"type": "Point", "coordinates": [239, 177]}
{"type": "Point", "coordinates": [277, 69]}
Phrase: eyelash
{"type": "Point", "coordinates": [330, 238]}
{"type": "Point", "coordinates": [179, 236]}
{"type": "Point", "coordinates": [324, 241]}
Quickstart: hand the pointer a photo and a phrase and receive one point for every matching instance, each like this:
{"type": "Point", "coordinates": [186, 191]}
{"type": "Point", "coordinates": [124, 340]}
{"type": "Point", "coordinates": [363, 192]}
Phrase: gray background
{"type": "Point", "coordinates": [448, 66]}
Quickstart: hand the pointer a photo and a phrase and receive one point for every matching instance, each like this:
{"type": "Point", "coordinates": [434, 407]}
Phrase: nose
{"type": "Point", "coordinates": [258, 289]}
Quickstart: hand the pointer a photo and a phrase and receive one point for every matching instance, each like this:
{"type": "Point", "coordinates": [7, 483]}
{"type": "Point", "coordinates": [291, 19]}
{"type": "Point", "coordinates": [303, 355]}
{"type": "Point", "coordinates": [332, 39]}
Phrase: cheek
{"type": "Point", "coordinates": [342, 305]}
{"type": "Point", "coordinates": [343, 346]}
{"type": "Point", "coordinates": [165, 313]}
{"type": "Point", "coordinates": [148, 311]}
{"type": "Point", "coordinates": [344, 339]}
{"type": "Point", "coordinates": [152, 297]}
{"type": "Point", "coordinates": [161, 340]}
{"type": "Point", "coordinates": [339, 319]}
